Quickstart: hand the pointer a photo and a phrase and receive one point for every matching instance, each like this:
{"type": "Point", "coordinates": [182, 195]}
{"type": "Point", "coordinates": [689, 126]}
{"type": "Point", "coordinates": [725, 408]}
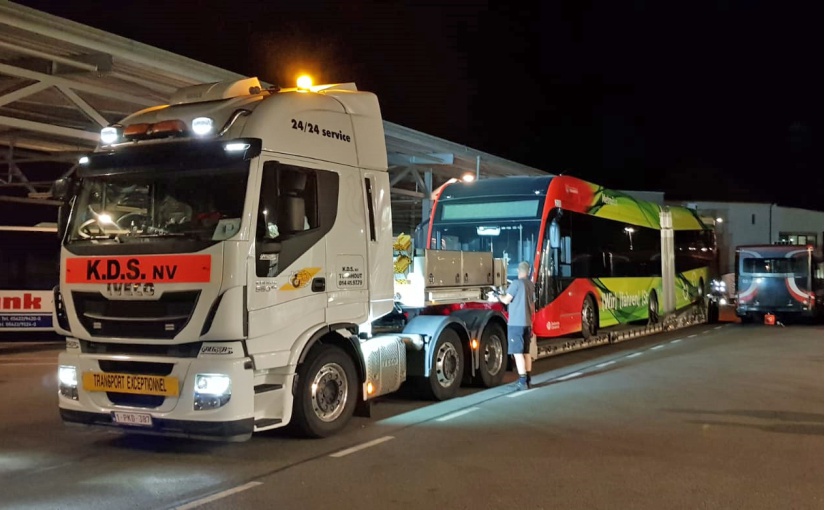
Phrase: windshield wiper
{"type": "Point", "coordinates": [160, 235]}
{"type": "Point", "coordinates": [97, 237]}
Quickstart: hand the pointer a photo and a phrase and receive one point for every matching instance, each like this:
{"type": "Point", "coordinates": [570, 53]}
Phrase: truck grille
{"type": "Point", "coordinates": [162, 318]}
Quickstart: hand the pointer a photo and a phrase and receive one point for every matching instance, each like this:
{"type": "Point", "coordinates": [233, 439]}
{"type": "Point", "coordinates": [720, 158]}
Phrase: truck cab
{"type": "Point", "coordinates": [219, 255]}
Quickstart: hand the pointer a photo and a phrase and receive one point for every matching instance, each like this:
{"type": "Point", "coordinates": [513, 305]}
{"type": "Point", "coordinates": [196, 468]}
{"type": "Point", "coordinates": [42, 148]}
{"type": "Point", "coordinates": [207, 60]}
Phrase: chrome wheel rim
{"type": "Point", "coordinates": [446, 365]}
{"type": "Point", "coordinates": [329, 392]}
{"type": "Point", "coordinates": [493, 359]}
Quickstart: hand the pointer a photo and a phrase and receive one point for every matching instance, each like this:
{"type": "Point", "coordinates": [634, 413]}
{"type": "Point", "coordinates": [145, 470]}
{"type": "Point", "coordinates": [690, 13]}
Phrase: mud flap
{"type": "Point", "coordinates": [363, 408]}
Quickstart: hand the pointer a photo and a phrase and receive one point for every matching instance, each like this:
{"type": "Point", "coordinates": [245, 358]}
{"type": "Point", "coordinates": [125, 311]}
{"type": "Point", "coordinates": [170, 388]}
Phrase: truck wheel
{"type": "Point", "coordinates": [653, 308]}
{"type": "Point", "coordinates": [590, 318]}
{"type": "Point", "coordinates": [326, 392]}
{"type": "Point", "coordinates": [493, 356]}
{"type": "Point", "coordinates": [448, 366]}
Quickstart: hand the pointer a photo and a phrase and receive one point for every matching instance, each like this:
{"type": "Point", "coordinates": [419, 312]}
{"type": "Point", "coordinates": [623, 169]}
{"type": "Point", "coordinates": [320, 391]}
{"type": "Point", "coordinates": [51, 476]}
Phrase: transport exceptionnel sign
{"type": "Point", "coordinates": [139, 269]}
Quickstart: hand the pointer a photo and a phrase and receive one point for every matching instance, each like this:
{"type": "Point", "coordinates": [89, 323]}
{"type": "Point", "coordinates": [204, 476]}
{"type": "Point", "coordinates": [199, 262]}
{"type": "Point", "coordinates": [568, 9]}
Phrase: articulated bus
{"type": "Point", "coordinates": [596, 253]}
{"type": "Point", "coordinates": [778, 279]}
{"type": "Point", "coordinates": [29, 272]}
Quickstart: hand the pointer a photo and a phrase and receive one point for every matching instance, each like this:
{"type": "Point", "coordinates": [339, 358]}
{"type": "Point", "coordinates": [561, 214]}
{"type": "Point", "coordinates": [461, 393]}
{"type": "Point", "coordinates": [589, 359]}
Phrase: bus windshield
{"type": "Point", "coordinates": [780, 266]}
{"type": "Point", "coordinates": [507, 228]}
{"type": "Point", "coordinates": [202, 203]}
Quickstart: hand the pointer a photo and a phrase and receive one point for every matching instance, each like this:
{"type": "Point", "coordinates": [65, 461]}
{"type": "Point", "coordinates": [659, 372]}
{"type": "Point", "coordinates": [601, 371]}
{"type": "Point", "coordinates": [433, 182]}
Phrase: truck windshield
{"type": "Point", "coordinates": [203, 204]}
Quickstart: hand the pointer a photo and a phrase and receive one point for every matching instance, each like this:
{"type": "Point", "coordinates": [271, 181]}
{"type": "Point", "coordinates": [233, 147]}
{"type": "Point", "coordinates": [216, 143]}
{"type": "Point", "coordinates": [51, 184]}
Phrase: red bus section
{"type": "Point", "coordinates": [600, 257]}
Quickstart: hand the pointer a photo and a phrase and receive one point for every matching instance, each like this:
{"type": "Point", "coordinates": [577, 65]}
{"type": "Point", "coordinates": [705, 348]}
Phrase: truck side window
{"type": "Point", "coordinates": [297, 208]}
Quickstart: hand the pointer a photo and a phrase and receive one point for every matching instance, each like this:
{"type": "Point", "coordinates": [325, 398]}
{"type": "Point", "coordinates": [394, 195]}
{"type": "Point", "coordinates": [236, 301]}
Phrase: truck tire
{"type": "Point", "coordinates": [590, 318]}
{"type": "Point", "coordinates": [492, 350]}
{"type": "Point", "coordinates": [326, 392]}
{"type": "Point", "coordinates": [447, 368]}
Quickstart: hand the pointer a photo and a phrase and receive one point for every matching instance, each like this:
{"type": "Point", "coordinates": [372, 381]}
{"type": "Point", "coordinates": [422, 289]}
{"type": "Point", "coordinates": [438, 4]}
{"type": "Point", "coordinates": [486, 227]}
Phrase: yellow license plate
{"type": "Point", "coordinates": [131, 383]}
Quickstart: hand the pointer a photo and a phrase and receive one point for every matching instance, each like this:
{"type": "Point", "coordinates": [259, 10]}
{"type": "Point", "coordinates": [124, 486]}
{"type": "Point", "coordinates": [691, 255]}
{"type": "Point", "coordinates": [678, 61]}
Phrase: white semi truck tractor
{"type": "Point", "coordinates": [224, 257]}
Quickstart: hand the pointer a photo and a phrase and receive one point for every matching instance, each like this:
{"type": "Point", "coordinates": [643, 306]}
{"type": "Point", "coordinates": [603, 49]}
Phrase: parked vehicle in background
{"type": "Point", "coordinates": [784, 280]}
{"type": "Point", "coordinates": [29, 272]}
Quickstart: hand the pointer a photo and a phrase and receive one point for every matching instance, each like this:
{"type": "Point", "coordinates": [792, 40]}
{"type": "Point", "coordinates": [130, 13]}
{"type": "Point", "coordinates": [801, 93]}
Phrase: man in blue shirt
{"type": "Point", "coordinates": [520, 299]}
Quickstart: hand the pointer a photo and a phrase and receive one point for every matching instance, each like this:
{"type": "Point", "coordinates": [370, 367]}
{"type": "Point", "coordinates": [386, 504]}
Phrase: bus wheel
{"type": "Point", "coordinates": [326, 392]}
{"type": "Point", "coordinates": [493, 353]}
{"type": "Point", "coordinates": [653, 308]}
{"type": "Point", "coordinates": [590, 322]}
{"type": "Point", "coordinates": [447, 369]}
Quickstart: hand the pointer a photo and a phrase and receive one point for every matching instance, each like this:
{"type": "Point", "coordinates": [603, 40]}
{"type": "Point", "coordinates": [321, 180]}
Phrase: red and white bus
{"type": "Point", "coordinates": [597, 254]}
{"type": "Point", "coordinates": [29, 272]}
{"type": "Point", "coordinates": [778, 279]}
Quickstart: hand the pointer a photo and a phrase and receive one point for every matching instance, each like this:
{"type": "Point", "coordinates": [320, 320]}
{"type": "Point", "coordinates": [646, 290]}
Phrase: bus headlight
{"type": "Point", "coordinates": [67, 381]}
{"type": "Point", "coordinates": [212, 391]}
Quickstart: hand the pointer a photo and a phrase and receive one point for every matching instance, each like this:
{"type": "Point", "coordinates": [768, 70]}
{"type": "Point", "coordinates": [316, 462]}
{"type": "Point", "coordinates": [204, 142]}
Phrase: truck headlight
{"type": "Point", "coordinates": [212, 391]}
{"type": "Point", "coordinates": [67, 381]}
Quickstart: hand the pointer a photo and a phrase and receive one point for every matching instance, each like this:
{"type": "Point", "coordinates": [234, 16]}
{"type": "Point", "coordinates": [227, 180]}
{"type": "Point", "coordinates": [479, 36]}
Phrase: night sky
{"type": "Point", "coordinates": [703, 100]}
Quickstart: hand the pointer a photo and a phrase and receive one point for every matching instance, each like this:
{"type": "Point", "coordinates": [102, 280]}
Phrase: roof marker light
{"type": "Point", "coordinates": [235, 147]}
{"type": "Point", "coordinates": [202, 126]}
{"type": "Point", "coordinates": [304, 82]}
{"type": "Point", "coordinates": [108, 135]}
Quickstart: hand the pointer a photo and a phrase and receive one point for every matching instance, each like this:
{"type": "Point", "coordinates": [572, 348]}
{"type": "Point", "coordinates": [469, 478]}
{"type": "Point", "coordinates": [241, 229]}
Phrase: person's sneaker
{"type": "Point", "coordinates": [521, 385]}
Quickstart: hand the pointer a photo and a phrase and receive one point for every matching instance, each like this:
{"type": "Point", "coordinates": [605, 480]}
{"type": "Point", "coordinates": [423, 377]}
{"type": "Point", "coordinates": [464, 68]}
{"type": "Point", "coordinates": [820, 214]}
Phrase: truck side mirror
{"type": "Point", "coordinates": [61, 189]}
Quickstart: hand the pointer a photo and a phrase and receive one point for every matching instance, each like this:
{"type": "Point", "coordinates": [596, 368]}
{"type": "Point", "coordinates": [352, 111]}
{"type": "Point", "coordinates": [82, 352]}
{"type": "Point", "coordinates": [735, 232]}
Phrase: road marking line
{"type": "Point", "coordinates": [692, 336]}
{"type": "Point", "coordinates": [457, 414]}
{"type": "Point", "coordinates": [217, 496]}
{"type": "Point", "coordinates": [520, 393]}
{"type": "Point", "coordinates": [635, 354]}
{"type": "Point", "coordinates": [656, 347]}
{"type": "Point", "coordinates": [568, 376]}
{"type": "Point", "coordinates": [705, 332]}
{"type": "Point", "coordinates": [676, 341]}
{"type": "Point", "coordinates": [361, 446]}
{"type": "Point", "coordinates": [718, 327]}
{"type": "Point", "coordinates": [606, 363]}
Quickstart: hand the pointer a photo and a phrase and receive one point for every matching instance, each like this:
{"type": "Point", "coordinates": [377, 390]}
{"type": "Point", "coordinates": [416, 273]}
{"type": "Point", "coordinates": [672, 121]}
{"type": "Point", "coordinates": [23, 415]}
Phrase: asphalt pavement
{"type": "Point", "coordinates": [726, 416]}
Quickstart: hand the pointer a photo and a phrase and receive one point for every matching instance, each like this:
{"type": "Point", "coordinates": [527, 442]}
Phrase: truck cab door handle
{"type": "Point", "coordinates": [319, 284]}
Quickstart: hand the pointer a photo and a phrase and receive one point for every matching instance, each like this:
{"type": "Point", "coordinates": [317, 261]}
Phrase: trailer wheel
{"type": "Point", "coordinates": [326, 392]}
{"type": "Point", "coordinates": [493, 356]}
{"type": "Point", "coordinates": [590, 321]}
{"type": "Point", "coordinates": [448, 366]}
{"type": "Point", "coordinates": [653, 308]}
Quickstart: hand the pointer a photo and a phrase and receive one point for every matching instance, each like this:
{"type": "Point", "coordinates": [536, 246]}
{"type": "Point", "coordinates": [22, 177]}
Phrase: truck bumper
{"type": "Point", "coordinates": [238, 430]}
{"type": "Point", "coordinates": [172, 415]}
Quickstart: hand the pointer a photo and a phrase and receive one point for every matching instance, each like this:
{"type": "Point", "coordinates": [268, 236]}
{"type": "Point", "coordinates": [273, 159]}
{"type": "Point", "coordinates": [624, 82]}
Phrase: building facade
{"type": "Point", "coordinates": [740, 223]}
